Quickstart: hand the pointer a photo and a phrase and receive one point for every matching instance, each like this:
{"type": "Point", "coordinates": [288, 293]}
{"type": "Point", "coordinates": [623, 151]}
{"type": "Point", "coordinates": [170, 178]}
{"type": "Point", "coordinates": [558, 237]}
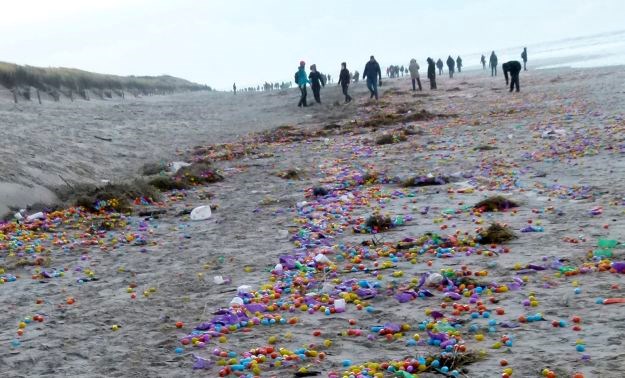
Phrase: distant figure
{"type": "Point", "coordinates": [432, 72]}
{"type": "Point", "coordinates": [483, 61]}
{"type": "Point", "coordinates": [234, 88]}
{"type": "Point", "coordinates": [372, 72]}
{"type": "Point", "coordinates": [301, 80]}
{"type": "Point", "coordinates": [524, 57]}
{"type": "Point", "coordinates": [451, 63]}
{"type": "Point", "coordinates": [413, 68]}
{"type": "Point", "coordinates": [459, 64]}
{"type": "Point", "coordinates": [316, 81]}
{"type": "Point", "coordinates": [439, 64]}
{"type": "Point", "coordinates": [514, 67]}
{"type": "Point", "coordinates": [493, 64]}
{"type": "Point", "coordinates": [344, 80]}
{"type": "Point", "coordinates": [356, 76]}
{"type": "Point", "coordinates": [329, 78]}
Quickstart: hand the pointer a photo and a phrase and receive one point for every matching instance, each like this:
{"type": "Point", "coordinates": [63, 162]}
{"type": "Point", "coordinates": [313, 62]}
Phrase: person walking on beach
{"type": "Point", "coordinates": [413, 68]}
{"type": "Point", "coordinates": [459, 64]}
{"type": "Point", "coordinates": [514, 68]}
{"type": "Point", "coordinates": [524, 57]}
{"type": "Point", "coordinates": [372, 72]}
{"type": "Point", "coordinates": [432, 72]}
{"type": "Point", "coordinates": [439, 65]}
{"type": "Point", "coordinates": [344, 80]}
{"type": "Point", "coordinates": [234, 88]}
{"type": "Point", "coordinates": [302, 80]}
{"type": "Point", "coordinates": [451, 63]}
{"type": "Point", "coordinates": [493, 64]}
{"type": "Point", "coordinates": [483, 61]}
{"type": "Point", "coordinates": [317, 80]}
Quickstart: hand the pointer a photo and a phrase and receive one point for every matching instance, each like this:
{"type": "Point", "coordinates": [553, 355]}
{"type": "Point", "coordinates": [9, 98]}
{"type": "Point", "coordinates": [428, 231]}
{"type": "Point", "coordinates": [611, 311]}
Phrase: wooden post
{"type": "Point", "coordinates": [15, 94]}
{"type": "Point", "coordinates": [38, 97]}
{"type": "Point", "coordinates": [71, 95]}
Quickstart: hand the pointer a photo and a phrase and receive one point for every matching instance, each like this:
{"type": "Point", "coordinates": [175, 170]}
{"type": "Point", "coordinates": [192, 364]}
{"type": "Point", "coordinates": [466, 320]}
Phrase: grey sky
{"type": "Point", "coordinates": [219, 42]}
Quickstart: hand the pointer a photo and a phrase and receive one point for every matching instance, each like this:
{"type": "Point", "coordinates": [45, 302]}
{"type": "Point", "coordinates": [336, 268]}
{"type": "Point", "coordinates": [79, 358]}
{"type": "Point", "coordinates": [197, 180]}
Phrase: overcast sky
{"type": "Point", "coordinates": [218, 42]}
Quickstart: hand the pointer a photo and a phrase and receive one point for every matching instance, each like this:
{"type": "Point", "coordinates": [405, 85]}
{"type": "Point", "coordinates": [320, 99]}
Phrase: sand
{"type": "Point", "coordinates": [559, 146]}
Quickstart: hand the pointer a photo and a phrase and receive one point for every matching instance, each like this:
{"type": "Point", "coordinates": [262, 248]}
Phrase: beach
{"type": "Point", "coordinates": [155, 294]}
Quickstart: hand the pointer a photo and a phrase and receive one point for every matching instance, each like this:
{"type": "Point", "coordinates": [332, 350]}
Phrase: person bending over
{"type": "Point", "coordinates": [514, 68]}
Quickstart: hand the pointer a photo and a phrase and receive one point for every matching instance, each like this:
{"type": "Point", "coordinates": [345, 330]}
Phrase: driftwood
{"type": "Point", "coordinates": [104, 139]}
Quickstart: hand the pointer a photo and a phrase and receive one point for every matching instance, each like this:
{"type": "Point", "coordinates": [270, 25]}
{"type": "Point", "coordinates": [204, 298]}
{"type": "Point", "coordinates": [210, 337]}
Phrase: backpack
{"type": "Point", "coordinates": [296, 77]}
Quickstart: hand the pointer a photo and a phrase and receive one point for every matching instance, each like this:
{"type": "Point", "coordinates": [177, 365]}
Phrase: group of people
{"type": "Point", "coordinates": [317, 80]}
{"type": "Point", "coordinates": [373, 75]}
{"type": "Point", "coordinates": [265, 87]}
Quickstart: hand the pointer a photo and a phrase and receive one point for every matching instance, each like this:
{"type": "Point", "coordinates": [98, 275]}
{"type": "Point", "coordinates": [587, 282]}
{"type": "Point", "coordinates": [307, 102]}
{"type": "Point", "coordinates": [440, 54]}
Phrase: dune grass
{"type": "Point", "coordinates": [67, 81]}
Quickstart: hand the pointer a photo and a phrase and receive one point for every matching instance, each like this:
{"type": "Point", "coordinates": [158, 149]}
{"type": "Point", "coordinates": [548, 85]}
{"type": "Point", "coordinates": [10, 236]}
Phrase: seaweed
{"type": "Point", "coordinates": [485, 147]}
{"type": "Point", "coordinates": [496, 234]}
{"type": "Point", "coordinates": [110, 197]}
{"type": "Point", "coordinates": [496, 203]}
{"type": "Point", "coordinates": [379, 222]}
{"type": "Point", "coordinates": [198, 173]}
{"type": "Point", "coordinates": [424, 181]}
{"type": "Point", "coordinates": [289, 174]}
{"type": "Point", "coordinates": [168, 183]}
{"type": "Point", "coordinates": [150, 169]}
{"type": "Point", "coordinates": [390, 138]}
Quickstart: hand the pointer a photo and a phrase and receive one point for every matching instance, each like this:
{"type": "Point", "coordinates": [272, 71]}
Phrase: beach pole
{"type": "Point", "coordinates": [38, 97]}
{"type": "Point", "coordinates": [15, 94]}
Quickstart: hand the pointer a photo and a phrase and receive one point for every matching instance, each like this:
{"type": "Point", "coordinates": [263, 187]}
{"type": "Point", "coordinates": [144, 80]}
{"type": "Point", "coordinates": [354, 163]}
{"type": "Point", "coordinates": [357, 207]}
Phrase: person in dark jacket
{"type": "Point", "coordinates": [524, 57]}
{"type": "Point", "coordinates": [451, 63]}
{"type": "Point", "coordinates": [514, 68]}
{"type": "Point", "coordinates": [493, 64]}
{"type": "Point", "coordinates": [301, 80]}
{"type": "Point", "coordinates": [372, 73]}
{"type": "Point", "coordinates": [344, 79]}
{"type": "Point", "coordinates": [432, 72]}
{"type": "Point", "coordinates": [483, 61]}
{"type": "Point", "coordinates": [459, 64]}
{"type": "Point", "coordinates": [316, 82]}
{"type": "Point", "coordinates": [439, 65]}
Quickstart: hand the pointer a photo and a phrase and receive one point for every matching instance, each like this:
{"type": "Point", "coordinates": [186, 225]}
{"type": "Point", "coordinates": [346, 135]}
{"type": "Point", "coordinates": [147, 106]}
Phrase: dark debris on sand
{"type": "Point", "coordinates": [418, 181]}
{"type": "Point", "coordinates": [109, 197]}
{"type": "Point", "coordinates": [496, 234]}
{"type": "Point", "coordinates": [379, 222]}
{"type": "Point", "coordinates": [496, 203]}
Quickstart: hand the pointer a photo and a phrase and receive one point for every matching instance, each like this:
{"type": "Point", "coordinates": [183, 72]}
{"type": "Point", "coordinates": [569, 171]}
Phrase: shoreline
{"type": "Point", "coordinates": [169, 262]}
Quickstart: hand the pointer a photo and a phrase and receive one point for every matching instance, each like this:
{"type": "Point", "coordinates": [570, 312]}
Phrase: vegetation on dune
{"type": "Point", "coordinates": [56, 81]}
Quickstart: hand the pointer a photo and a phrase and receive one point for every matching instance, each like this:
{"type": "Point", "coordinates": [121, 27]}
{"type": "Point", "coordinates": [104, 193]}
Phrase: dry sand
{"type": "Point", "coordinates": [556, 178]}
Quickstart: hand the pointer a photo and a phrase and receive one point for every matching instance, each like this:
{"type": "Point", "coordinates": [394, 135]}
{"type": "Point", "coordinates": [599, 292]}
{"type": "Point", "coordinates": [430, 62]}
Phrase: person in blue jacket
{"type": "Point", "coordinates": [301, 79]}
{"type": "Point", "coordinates": [372, 73]}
